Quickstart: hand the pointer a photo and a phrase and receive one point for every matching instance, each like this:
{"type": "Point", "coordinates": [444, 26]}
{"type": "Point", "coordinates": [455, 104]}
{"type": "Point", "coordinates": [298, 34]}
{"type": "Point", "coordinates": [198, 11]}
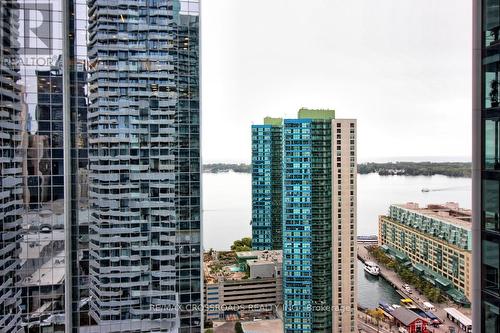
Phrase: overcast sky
{"type": "Point", "coordinates": [401, 67]}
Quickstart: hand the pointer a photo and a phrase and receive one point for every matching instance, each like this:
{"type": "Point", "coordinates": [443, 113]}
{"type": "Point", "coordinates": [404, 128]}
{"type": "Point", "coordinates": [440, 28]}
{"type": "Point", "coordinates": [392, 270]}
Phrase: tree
{"type": "Point", "coordinates": [238, 328]}
{"type": "Point", "coordinates": [244, 244]}
{"type": "Point", "coordinates": [378, 315]}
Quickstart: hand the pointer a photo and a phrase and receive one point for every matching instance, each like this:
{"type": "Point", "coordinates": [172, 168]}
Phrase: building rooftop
{"type": "Point", "coordinates": [273, 121]}
{"type": "Point", "coordinates": [322, 114]}
{"type": "Point", "coordinates": [405, 316]}
{"type": "Point", "coordinates": [449, 212]}
{"type": "Point", "coordinates": [266, 255]}
{"type": "Point", "coordinates": [263, 326]}
{"type": "Point", "coordinates": [458, 315]}
{"type": "Point", "coordinates": [235, 265]}
{"type": "Point", "coordinates": [257, 262]}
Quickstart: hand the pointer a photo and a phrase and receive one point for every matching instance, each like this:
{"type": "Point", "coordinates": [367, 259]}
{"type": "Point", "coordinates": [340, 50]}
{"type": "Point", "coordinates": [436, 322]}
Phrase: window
{"type": "Point", "coordinates": [492, 144]}
{"type": "Point", "coordinates": [491, 318]}
{"type": "Point", "coordinates": [491, 266]}
{"type": "Point", "coordinates": [491, 205]}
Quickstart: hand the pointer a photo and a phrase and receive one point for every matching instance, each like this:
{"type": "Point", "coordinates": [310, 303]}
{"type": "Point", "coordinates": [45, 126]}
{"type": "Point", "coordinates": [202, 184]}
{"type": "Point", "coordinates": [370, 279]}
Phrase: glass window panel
{"type": "Point", "coordinates": [491, 266]}
{"type": "Point", "coordinates": [492, 144]}
{"type": "Point", "coordinates": [491, 205]}
{"type": "Point", "coordinates": [491, 318]}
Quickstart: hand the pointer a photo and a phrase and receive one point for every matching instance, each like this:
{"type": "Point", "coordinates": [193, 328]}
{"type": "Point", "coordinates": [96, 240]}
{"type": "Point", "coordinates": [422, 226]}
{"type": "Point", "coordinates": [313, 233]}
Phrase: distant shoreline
{"type": "Point", "coordinates": [450, 169]}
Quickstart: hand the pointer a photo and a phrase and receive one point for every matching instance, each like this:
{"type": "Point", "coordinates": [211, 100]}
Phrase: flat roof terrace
{"type": "Point", "coordinates": [449, 212]}
{"type": "Point", "coordinates": [265, 255]}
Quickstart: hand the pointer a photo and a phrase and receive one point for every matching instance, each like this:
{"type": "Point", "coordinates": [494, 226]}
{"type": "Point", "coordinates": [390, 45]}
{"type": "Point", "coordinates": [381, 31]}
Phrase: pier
{"type": "Point", "coordinates": [418, 299]}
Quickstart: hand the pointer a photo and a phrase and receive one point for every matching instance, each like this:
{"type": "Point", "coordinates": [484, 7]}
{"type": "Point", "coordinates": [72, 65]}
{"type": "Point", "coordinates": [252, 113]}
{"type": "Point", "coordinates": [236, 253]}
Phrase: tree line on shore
{"type": "Point", "coordinates": [450, 169]}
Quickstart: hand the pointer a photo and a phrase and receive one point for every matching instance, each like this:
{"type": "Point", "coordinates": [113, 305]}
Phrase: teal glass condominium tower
{"type": "Point", "coordinates": [266, 184]}
{"type": "Point", "coordinates": [318, 221]}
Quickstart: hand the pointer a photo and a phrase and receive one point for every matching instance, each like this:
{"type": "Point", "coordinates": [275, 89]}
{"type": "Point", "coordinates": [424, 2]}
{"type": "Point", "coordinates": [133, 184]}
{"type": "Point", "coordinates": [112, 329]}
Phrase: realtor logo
{"type": "Point", "coordinates": [37, 28]}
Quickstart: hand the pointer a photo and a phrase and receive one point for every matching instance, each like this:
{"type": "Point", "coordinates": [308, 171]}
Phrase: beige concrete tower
{"type": "Point", "coordinates": [344, 171]}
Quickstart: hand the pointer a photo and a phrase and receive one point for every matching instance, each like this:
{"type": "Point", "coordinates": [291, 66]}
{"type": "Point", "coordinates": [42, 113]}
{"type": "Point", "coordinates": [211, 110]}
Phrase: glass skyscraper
{"type": "Point", "coordinates": [486, 166]}
{"type": "Point", "coordinates": [266, 185]}
{"type": "Point", "coordinates": [144, 165]}
{"type": "Point", "coordinates": [317, 178]}
{"type": "Point", "coordinates": [100, 166]}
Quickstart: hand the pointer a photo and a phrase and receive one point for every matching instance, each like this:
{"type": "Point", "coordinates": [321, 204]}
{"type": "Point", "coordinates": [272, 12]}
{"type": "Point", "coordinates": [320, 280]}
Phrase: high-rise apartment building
{"type": "Point", "coordinates": [318, 191]}
{"type": "Point", "coordinates": [266, 184]}
{"type": "Point", "coordinates": [436, 241]}
{"type": "Point", "coordinates": [344, 223]}
{"type": "Point", "coordinates": [100, 173]}
{"type": "Point", "coordinates": [486, 166]}
{"type": "Point", "coordinates": [144, 161]}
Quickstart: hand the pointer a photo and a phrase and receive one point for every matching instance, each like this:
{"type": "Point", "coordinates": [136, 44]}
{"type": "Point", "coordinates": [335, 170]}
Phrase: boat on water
{"type": "Point", "coordinates": [372, 268]}
{"type": "Point", "coordinates": [386, 307]}
{"type": "Point", "coordinates": [425, 189]}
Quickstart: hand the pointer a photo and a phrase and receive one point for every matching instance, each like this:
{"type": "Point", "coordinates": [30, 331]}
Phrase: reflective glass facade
{"type": "Point", "coordinates": [11, 186]}
{"type": "Point", "coordinates": [100, 166]}
{"type": "Point", "coordinates": [144, 174]}
{"type": "Point", "coordinates": [316, 178]}
{"type": "Point", "coordinates": [297, 227]}
{"type": "Point", "coordinates": [266, 185]}
{"type": "Point", "coordinates": [33, 221]}
{"type": "Point", "coordinates": [488, 17]}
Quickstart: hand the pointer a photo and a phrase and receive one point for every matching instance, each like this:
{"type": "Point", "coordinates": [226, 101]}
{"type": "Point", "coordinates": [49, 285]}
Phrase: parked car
{"type": "Point", "coordinates": [407, 288]}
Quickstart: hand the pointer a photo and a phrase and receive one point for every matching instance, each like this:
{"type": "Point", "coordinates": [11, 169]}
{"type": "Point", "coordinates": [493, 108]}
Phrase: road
{"type": "Point", "coordinates": [367, 328]}
{"type": "Point", "coordinates": [418, 298]}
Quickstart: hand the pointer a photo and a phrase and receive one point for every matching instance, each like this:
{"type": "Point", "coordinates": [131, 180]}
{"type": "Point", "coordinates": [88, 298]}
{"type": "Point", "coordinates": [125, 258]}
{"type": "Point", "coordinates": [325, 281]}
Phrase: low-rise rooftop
{"type": "Point", "coordinates": [266, 255]}
{"type": "Point", "coordinates": [263, 326]}
{"type": "Point", "coordinates": [459, 316]}
{"type": "Point", "coordinates": [239, 265]}
{"type": "Point", "coordinates": [405, 316]}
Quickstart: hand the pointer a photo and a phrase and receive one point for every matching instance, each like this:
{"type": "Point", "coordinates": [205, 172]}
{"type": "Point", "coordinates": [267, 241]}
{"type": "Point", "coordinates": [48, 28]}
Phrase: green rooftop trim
{"type": "Point", "coordinates": [458, 297]}
{"type": "Point", "coordinates": [273, 121]}
{"type": "Point", "coordinates": [318, 114]}
{"type": "Point", "coordinates": [420, 268]}
{"type": "Point", "coordinates": [443, 282]}
{"type": "Point", "coordinates": [399, 255]}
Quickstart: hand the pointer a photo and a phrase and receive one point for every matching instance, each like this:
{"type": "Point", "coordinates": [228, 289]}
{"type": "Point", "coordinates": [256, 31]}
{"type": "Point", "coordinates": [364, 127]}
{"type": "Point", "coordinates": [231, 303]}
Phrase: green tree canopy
{"type": "Point", "coordinates": [238, 328]}
{"type": "Point", "coordinates": [244, 244]}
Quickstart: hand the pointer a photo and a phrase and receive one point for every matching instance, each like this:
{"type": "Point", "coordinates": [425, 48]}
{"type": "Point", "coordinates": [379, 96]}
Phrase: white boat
{"type": "Point", "coordinates": [372, 268]}
{"type": "Point", "coordinates": [425, 189]}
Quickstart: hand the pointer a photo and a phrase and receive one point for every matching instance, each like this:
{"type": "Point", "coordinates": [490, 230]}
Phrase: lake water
{"type": "Point", "coordinates": [227, 201]}
{"type": "Point", "coordinates": [227, 213]}
{"type": "Point", "coordinates": [374, 289]}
